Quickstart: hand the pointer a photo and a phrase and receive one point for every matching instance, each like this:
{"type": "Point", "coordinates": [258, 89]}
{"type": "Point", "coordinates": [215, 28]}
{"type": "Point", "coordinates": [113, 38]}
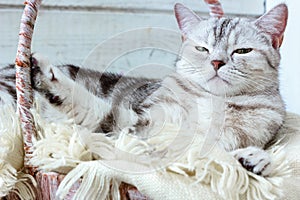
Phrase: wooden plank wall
{"type": "Point", "coordinates": [67, 30]}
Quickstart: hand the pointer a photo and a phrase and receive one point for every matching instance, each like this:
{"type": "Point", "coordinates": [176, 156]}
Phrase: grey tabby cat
{"type": "Point", "coordinates": [229, 60]}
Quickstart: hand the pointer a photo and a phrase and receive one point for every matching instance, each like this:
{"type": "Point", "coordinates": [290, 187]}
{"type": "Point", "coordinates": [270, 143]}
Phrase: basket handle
{"type": "Point", "coordinates": [215, 8]}
{"type": "Point", "coordinates": [23, 80]}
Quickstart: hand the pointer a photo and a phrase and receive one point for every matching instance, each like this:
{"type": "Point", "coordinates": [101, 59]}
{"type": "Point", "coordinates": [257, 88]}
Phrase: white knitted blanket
{"type": "Point", "coordinates": [158, 167]}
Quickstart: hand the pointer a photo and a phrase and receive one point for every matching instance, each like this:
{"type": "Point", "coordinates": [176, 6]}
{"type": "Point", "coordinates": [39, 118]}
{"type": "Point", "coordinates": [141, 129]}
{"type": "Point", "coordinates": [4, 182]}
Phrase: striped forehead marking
{"type": "Point", "coordinates": [223, 28]}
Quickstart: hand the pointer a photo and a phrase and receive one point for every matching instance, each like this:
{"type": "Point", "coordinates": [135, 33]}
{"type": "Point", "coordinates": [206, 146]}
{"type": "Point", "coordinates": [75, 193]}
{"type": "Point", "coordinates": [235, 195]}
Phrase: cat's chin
{"type": "Point", "coordinates": [217, 80]}
{"type": "Point", "coordinates": [218, 86]}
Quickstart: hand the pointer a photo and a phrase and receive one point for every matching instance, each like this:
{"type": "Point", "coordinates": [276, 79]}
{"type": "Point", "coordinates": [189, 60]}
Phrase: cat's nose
{"type": "Point", "coordinates": [217, 64]}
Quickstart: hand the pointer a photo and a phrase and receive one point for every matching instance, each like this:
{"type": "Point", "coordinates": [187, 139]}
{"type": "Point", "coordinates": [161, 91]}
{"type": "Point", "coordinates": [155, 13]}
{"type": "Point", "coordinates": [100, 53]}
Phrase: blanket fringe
{"type": "Point", "coordinates": [95, 183]}
{"type": "Point", "coordinates": [59, 147]}
{"type": "Point", "coordinates": [12, 179]}
{"type": "Point", "coordinates": [24, 187]}
{"type": "Point", "coordinates": [8, 178]}
{"type": "Point", "coordinates": [11, 142]}
{"type": "Point", "coordinates": [67, 148]}
{"type": "Point", "coordinates": [232, 181]}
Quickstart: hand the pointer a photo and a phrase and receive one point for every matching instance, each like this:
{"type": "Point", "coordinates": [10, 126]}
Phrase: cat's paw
{"type": "Point", "coordinates": [44, 78]}
{"type": "Point", "coordinates": [41, 72]}
{"type": "Point", "coordinates": [254, 159]}
{"type": "Point", "coordinates": [129, 131]}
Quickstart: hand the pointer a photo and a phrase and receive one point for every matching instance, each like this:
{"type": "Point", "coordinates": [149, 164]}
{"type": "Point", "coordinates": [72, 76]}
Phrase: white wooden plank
{"type": "Point", "coordinates": [253, 7]}
{"type": "Point", "coordinates": [9, 25]}
{"type": "Point", "coordinates": [69, 36]}
{"type": "Point", "coordinates": [289, 70]}
{"type": "Point", "coordinates": [149, 52]}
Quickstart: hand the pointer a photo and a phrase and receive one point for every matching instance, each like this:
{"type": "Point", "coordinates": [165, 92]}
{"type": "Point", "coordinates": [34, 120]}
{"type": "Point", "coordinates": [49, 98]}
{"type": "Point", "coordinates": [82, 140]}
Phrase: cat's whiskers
{"type": "Point", "coordinates": [258, 85]}
{"type": "Point", "coordinates": [246, 84]}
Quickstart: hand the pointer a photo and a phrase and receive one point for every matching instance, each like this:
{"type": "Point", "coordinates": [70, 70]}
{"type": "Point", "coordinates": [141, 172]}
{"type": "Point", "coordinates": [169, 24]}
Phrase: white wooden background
{"type": "Point", "coordinates": [290, 53]}
{"type": "Point", "coordinates": [67, 30]}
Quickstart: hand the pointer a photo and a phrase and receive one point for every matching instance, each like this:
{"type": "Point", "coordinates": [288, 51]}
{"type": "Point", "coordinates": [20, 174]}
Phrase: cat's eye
{"type": "Point", "coordinates": [243, 50]}
{"type": "Point", "coordinates": [201, 49]}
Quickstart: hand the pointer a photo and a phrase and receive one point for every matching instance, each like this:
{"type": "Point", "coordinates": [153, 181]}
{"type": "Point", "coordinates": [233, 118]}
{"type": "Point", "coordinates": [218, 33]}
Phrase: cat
{"type": "Point", "coordinates": [231, 61]}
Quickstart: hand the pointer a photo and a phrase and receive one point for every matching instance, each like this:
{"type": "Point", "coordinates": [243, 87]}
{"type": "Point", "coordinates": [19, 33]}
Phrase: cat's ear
{"type": "Point", "coordinates": [274, 23]}
{"type": "Point", "coordinates": [186, 18]}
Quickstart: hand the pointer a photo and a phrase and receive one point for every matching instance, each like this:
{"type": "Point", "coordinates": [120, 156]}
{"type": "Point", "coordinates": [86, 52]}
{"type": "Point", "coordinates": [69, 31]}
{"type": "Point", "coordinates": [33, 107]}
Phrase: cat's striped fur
{"type": "Point", "coordinates": [7, 85]}
{"type": "Point", "coordinates": [229, 60]}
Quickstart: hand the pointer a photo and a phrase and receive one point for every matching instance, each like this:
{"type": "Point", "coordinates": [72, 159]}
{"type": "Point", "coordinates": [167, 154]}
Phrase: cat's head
{"type": "Point", "coordinates": [231, 55]}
